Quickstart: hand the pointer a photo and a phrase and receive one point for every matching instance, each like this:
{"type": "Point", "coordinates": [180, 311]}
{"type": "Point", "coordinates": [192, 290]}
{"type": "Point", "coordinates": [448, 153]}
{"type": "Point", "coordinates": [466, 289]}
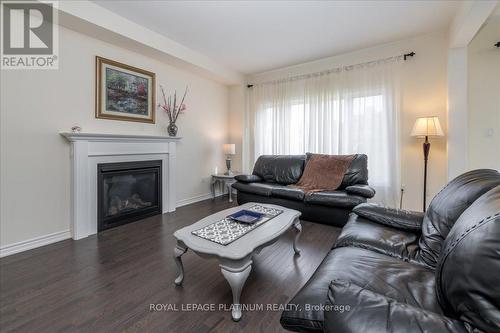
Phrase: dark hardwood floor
{"type": "Point", "coordinates": [106, 282]}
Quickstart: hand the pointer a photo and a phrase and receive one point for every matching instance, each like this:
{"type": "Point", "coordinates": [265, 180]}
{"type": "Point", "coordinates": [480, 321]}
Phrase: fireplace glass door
{"type": "Point", "coordinates": [127, 192]}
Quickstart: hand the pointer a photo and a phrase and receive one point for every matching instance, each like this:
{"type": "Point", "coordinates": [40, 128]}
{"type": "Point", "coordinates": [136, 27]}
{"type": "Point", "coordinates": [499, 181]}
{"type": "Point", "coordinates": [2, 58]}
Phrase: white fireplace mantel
{"type": "Point", "coordinates": [90, 149]}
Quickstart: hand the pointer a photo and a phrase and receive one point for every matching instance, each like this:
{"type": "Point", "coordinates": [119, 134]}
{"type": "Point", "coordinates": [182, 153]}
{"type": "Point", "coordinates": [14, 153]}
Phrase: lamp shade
{"type": "Point", "coordinates": [229, 148]}
{"type": "Point", "coordinates": [427, 126]}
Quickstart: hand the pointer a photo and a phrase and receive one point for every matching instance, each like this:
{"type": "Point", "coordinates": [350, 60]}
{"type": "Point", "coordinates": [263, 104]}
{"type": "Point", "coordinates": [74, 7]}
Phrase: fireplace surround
{"type": "Point", "coordinates": [88, 150]}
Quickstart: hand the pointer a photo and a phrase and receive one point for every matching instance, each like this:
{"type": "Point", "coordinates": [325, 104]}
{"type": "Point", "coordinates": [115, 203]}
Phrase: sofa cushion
{"type": "Point", "coordinates": [402, 281]}
{"type": "Point", "coordinates": [363, 190]}
{"type": "Point", "coordinates": [335, 216]}
{"type": "Point", "coordinates": [324, 172]}
{"type": "Point", "coordinates": [366, 234]}
{"type": "Point", "coordinates": [334, 199]}
{"type": "Point", "coordinates": [248, 178]}
{"type": "Point", "coordinates": [448, 205]}
{"type": "Point", "coordinates": [254, 188]}
{"type": "Point", "coordinates": [286, 192]}
{"type": "Point", "coordinates": [357, 173]}
{"type": "Point", "coordinates": [468, 271]}
{"type": "Point", "coordinates": [282, 169]}
{"type": "Point", "coordinates": [396, 218]}
{"type": "Point", "coordinates": [352, 309]}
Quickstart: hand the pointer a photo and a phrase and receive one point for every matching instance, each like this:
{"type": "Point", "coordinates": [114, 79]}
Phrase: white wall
{"type": "Point", "coordinates": [237, 95]}
{"type": "Point", "coordinates": [457, 111]}
{"type": "Point", "coordinates": [37, 105]}
{"type": "Point", "coordinates": [484, 98]}
{"type": "Point", "coordinates": [424, 93]}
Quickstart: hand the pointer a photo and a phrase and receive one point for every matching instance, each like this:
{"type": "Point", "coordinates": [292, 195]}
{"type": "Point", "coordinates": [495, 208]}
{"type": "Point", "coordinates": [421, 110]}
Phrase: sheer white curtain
{"type": "Point", "coordinates": [348, 110]}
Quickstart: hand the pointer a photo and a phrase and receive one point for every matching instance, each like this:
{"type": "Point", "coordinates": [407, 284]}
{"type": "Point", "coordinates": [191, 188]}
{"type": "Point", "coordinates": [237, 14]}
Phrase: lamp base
{"type": "Point", "coordinates": [228, 166]}
{"type": "Point", "coordinates": [426, 148]}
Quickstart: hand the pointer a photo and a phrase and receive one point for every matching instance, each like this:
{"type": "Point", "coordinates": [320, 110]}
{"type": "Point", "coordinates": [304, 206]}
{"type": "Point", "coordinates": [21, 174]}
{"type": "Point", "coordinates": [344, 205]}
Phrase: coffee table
{"type": "Point", "coordinates": [235, 259]}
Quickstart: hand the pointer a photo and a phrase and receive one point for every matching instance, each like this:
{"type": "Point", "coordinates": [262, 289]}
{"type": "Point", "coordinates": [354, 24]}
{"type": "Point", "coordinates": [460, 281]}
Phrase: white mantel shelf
{"type": "Point", "coordinates": [115, 137]}
{"type": "Point", "coordinates": [88, 150]}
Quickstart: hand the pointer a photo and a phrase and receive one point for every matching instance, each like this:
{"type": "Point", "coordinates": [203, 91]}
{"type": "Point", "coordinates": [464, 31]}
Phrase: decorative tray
{"type": "Point", "coordinates": [246, 216]}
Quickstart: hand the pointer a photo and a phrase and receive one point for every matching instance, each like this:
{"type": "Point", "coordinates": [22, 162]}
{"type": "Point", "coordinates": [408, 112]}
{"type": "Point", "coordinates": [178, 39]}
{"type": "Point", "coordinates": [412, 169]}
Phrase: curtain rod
{"type": "Point", "coordinates": [404, 56]}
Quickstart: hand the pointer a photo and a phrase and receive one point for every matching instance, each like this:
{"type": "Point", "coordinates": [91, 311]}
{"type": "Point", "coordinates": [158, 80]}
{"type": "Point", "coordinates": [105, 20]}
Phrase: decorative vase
{"type": "Point", "coordinates": [172, 129]}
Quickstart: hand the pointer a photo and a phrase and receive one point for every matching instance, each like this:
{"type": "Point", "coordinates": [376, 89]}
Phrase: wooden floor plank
{"type": "Point", "coordinates": [106, 282]}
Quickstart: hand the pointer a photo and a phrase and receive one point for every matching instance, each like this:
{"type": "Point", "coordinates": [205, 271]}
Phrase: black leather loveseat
{"type": "Point", "coordinates": [400, 271]}
{"type": "Point", "coordinates": [273, 173]}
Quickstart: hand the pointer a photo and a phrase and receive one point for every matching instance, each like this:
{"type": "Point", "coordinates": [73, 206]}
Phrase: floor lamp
{"type": "Point", "coordinates": [424, 128]}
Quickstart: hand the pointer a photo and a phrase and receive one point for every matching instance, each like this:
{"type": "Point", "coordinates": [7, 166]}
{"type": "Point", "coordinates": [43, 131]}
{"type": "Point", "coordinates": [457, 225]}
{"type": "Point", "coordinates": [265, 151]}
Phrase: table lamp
{"type": "Point", "coordinates": [229, 149]}
{"type": "Point", "coordinates": [424, 128]}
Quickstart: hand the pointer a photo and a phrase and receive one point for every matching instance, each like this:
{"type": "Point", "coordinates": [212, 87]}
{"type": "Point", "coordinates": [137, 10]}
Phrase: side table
{"type": "Point", "coordinates": [226, 181]}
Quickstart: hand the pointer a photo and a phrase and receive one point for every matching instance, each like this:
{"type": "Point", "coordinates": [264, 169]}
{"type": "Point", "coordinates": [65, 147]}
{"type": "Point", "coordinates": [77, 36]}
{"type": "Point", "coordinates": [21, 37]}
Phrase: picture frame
{"type": "Point", "coordinates": [124, 92]}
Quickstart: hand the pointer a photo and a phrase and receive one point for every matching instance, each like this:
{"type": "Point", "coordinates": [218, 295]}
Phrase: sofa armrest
{"type": "Point", "coordinates": [396, 218]}
{"type": "Point", "coordinates": [352, 309]}
{"type": "Point", "coordinates": [362, 190]}
{"type": "Point", "coordinates": [248, 178]}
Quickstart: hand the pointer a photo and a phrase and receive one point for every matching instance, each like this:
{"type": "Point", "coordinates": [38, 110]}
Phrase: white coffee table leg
{"type": "Point", "coordinates": [236, 279]}
{"type": "Point", "coordinates": [298, 229]}
{"type": "Point", "coordinates": [178, 252]}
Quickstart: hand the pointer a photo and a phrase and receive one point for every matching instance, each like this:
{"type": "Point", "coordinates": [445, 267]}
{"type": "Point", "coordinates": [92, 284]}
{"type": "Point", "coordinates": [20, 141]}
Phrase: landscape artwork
{"type": "Point", "coordinates": [124, 92]}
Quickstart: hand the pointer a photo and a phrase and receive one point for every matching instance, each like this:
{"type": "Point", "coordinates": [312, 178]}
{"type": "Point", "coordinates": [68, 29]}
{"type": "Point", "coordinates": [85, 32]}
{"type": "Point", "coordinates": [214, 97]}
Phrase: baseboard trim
{"type": "Point", "coordinates": [33, 243]}
{"type": "Point", "coordinates": [29, 244]}
{"type": "Point", "coordinates": [188, 201]}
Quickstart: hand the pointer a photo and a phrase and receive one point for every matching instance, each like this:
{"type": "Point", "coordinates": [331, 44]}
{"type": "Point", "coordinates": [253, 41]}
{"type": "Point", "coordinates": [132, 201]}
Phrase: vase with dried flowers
{"type": "Point", "coordinates": [172, 109]}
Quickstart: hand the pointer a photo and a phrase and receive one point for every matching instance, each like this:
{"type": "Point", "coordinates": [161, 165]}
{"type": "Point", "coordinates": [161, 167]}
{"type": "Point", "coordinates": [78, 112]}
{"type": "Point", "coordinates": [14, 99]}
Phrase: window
{"type": "Point", "coordinates": [349, 113]}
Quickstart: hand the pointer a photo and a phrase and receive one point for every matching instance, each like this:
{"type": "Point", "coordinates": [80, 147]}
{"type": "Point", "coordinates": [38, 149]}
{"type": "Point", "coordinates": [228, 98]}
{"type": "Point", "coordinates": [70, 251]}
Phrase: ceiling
{"type": "Point", "coordinates": [256, 36]}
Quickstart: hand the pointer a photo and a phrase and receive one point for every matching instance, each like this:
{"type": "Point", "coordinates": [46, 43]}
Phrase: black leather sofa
{"type": "Point", "coordinates": [273, 173]}
{"type": "Point", "coordinates": [401, 271]}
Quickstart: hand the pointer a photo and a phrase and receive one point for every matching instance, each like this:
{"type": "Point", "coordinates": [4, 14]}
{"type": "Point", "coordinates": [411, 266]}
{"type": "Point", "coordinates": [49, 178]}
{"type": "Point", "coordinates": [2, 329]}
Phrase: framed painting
{"type": "Point", "coordinates": [124, 92]}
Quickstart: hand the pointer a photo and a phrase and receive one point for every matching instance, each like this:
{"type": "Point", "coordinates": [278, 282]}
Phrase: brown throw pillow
{"type": "Point", "coordinates": [324, 172]}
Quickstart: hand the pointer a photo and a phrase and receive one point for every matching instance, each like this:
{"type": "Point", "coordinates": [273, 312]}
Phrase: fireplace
{"type": "Point", "coordinates": [127, 192]}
